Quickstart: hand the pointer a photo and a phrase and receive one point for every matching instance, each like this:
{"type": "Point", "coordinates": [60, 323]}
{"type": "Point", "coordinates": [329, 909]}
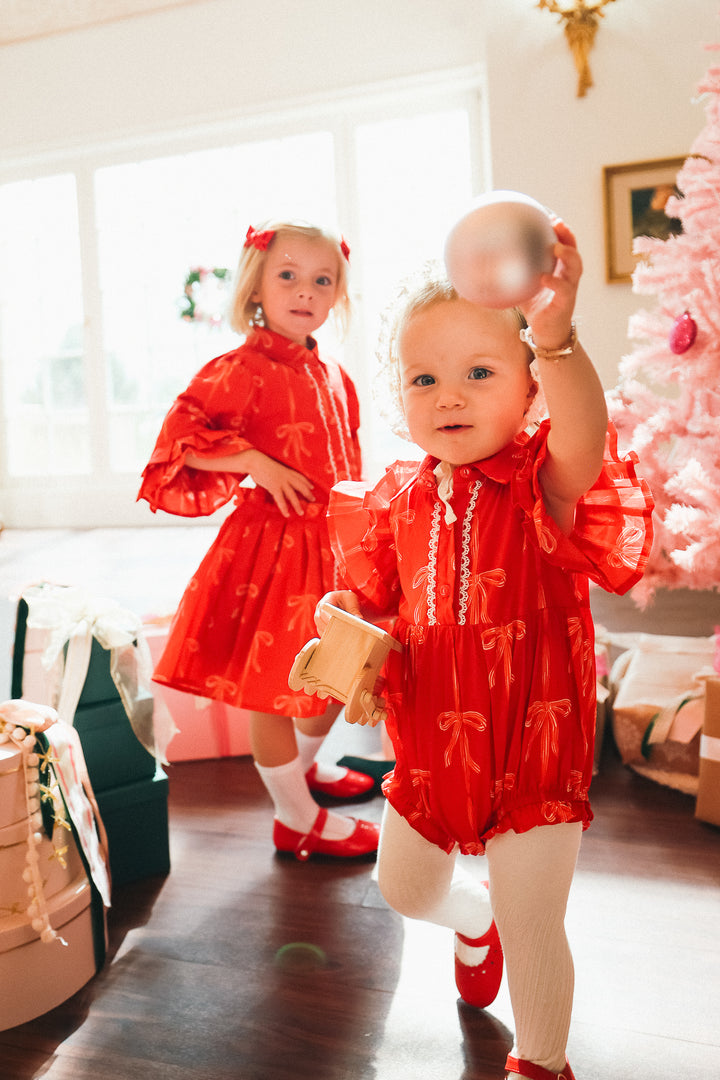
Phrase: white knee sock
{"type": "Point", "coordinates": [308, 746]}
{"type": "Point", "coordinates": [466, 909]}
{"type": "Point", "coordinates": [294, 805]}
{"type": "Point", "coordinates": [422, 881]}
{"type": "Point", "coordinates": [530, 876]}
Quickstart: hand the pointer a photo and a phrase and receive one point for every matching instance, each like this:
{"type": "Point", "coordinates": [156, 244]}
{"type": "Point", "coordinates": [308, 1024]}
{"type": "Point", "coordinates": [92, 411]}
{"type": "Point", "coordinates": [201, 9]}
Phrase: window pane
{"type": "Point", "coordinates": [41, 328]}
{"type": "Point", "coordinates": [159, 219]}
{"type": "Point", "coordinates": [414, 180]}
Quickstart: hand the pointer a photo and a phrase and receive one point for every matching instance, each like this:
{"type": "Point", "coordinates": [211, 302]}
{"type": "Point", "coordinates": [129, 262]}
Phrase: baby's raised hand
{"type": "Point", "coordinates": [549, 313]}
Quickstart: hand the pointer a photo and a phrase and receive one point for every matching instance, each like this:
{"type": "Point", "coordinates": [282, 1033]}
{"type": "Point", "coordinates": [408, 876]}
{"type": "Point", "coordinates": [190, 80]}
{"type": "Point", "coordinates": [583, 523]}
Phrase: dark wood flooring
{"type": "Point", "coordinates": [242, 965]}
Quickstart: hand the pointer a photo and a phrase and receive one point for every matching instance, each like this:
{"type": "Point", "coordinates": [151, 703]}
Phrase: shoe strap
{"type": "Point", "coordinates": [307, 843]}
{"type": "Point", "coordinates": [483, 939]}
{"type": "Point", "coordinates": [478, 941]}
{"type": "Point", "coordinates": [536, 1072]}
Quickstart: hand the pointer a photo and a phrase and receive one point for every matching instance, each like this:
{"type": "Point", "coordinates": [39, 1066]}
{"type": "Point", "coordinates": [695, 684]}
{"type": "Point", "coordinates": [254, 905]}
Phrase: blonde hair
{"type": "Point", "coordinates": [420, 291]}
{"type": "Point", "coordinates": [244, 314]}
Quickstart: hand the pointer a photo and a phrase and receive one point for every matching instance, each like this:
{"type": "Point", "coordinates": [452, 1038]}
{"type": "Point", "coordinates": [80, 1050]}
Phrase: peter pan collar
{"type": "Point", "coordinates": [501, 467]}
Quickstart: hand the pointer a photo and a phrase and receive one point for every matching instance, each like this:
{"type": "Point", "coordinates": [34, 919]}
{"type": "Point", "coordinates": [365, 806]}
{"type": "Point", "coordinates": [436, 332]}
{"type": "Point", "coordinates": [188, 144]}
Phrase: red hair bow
{"type": "Point", "coordinates": [345, 248]}
{"type": "Point", "coordinates": [259, 239]}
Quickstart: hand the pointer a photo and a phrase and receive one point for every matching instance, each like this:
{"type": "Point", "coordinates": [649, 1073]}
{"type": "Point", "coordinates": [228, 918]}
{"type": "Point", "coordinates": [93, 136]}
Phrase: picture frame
{"type": "Point", "coordinates": [629, 192]}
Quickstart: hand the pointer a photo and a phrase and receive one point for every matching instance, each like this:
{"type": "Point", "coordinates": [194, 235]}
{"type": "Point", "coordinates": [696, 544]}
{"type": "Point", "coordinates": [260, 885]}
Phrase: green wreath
{"type": "Point", "coordinates": [196, 276]}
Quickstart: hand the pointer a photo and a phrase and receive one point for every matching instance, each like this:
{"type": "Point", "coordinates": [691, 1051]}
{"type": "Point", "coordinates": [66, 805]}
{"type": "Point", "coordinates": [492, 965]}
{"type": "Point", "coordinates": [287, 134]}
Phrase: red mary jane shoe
{"type": "Point", "coordinates": [537, 1072]}
{"type": "Point", "coordinates": [478, 984]}
{"type": "Point", "coordinates": [362, 841]}
{"type": "Point", "coordinates": [349, 786]}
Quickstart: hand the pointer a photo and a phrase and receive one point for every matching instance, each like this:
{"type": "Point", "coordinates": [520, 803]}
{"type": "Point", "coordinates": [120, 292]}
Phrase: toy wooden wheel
{"type": "Point", "coordinates": [355, 713]}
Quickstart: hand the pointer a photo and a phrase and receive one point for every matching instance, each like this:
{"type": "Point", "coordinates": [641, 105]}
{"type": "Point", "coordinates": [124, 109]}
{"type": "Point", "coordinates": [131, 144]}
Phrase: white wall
{"type": "Point", "coordinates": [647, 61]}
{"type": "Point", "coordinates": [220, 57]}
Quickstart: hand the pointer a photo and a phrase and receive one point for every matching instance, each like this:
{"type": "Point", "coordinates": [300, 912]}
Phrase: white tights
{"type": "Point", "coordinates": [530, 876]}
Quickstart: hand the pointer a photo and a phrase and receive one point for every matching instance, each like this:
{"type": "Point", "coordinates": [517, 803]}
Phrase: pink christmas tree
{"type": "Point", "coordinates": [667, 402]}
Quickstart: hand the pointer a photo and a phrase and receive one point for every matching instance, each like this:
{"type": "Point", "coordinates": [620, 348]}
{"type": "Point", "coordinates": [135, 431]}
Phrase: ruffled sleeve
{"type": "Point", "coordinates": [359, 521]}
{"type": "Point", "coordinates": [613, 532]}
{"type": "Point", "coordinates": [194, 425]}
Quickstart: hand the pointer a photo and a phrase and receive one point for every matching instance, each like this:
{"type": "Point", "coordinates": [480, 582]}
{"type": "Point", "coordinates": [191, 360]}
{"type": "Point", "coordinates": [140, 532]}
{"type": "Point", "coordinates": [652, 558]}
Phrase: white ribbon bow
{"type": "Point", "coordinates": [75, 617]}
{"type": "Point", "coordinates": [444, 476]}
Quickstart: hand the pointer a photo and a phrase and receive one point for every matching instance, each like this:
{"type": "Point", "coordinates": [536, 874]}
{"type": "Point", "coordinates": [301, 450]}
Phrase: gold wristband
{"type": "Point", "coordinates": [550, 354]}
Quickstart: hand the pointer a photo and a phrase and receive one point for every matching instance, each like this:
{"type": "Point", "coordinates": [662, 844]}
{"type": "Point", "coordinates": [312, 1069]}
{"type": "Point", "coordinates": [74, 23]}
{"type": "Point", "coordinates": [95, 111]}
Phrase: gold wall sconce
{"type": "Point", "coordinates": [580, 21]}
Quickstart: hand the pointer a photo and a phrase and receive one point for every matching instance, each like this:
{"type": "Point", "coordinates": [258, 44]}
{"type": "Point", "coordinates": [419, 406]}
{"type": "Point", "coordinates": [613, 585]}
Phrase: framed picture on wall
{"type": "Point", "coordinates": [635, 198]}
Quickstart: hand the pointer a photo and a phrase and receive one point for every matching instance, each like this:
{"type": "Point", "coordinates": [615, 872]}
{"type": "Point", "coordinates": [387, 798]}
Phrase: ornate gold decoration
{"type": "Point", "coordinates": [580, 24]}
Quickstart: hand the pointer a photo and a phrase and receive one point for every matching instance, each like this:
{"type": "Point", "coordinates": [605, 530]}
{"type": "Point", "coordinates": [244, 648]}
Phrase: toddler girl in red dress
{"type": "Point", "coordinates": [275, 411]}
{"type": "Point", "coordinates": [484, 551]}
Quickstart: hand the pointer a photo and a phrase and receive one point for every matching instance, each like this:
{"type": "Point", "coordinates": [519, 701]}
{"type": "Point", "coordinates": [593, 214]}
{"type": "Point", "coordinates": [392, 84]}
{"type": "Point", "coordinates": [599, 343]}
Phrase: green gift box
{"type": "Point", "coordinates": [99, 685]}
{"type": "Point", "coordinates": [113, 755]}
{"type": "Point", "coordinates": [135, 817]}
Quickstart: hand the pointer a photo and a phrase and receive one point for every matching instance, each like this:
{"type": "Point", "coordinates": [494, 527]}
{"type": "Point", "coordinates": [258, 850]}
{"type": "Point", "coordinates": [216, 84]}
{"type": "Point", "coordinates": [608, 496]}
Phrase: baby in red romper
{"type": "Point", "coordinates": [483, 551]}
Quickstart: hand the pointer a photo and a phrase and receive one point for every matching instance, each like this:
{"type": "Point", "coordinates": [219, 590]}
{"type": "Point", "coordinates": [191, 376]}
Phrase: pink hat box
{"type": "Point", "coordinates": [35, 975]}
{"type": "Point", "coordinates": [206, 728]}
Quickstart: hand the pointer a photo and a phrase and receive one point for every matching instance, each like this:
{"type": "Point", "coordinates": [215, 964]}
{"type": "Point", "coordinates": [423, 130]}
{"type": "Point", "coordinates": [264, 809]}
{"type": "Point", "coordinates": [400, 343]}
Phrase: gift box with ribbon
{"type": "Point", "coordinates": [205, 728]}
{"type": "Point", "coordinates": [707, 807]}
{"type": "Point", "coordinates": [69, 626]}
{"type": "Point", "coordinates": [89, 658]}
{"type": "Point", "coordinates": [657, 695]}
{"type": "Point", "coordinates": [54, 882]}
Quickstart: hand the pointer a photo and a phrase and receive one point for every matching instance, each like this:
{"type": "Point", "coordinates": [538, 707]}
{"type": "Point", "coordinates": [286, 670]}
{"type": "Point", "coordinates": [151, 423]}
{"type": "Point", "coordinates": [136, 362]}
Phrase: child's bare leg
{"type": "Point", "coordinates": [310, 732]}
{"type": "Point", "coordinates": [317, 727]}
{"type": "Point", "coordinates": [272, 739]}
{"type": "Point", "coordinates": [530, 878]}
{"type": "Point", "coordinates": [324, 776]}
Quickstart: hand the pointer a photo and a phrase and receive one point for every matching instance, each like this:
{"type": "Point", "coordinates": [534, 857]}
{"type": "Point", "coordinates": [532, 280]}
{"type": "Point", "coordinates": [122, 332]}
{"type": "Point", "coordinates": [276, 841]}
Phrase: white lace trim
{"type": "Point", "coordinates": [432, 564]}
{"type": "Point", "coordinates": [464, 557]}
{"type": "Point", "coordinates": [465, 552]}
{"type": "Point", "coordinates": [341, 428]}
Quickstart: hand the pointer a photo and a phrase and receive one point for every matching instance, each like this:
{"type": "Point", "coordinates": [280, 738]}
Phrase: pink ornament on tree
{"type": "Point", "coordinates": [683, 333]}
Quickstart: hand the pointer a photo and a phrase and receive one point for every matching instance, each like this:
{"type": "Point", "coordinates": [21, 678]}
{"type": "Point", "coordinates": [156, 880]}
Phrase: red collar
{"type": "Point", "coordinates": [500, 467]}
{"type": "Point", "coordinates": [281, 348]}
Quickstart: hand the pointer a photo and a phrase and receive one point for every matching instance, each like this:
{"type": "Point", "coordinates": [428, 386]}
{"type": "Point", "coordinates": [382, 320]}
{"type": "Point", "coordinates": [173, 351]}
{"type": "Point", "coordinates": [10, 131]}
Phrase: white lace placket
{"type": "Point", "coordinates": [444, 476]}
{"type": "Point", "coordinates": [344, 437]}
{"type": "Point", "coordinates": [341, 427]}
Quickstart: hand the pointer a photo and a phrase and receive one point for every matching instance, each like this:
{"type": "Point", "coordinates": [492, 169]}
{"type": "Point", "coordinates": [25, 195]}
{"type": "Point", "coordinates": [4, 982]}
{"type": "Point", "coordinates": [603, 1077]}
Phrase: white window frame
{"type": "Point", "coordinates": [105, 499]}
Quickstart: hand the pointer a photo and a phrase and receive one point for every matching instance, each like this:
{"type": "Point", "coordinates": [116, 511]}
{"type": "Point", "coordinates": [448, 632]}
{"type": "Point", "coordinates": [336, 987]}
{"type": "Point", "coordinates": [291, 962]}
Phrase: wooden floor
{"type": "Point", "coordinates": [242, 965]}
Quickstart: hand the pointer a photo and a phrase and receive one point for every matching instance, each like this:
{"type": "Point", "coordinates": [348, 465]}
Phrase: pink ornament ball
{"type": "Point", "coordinates": [496, 253]}
{"type": "Point", "coordinates": [682, 334]}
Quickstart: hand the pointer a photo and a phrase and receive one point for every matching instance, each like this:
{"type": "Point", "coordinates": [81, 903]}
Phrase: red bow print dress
{"type": "Point", "coordinates": [249, 607]}
{"type": "Point", "coordinates": [492, 702]}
